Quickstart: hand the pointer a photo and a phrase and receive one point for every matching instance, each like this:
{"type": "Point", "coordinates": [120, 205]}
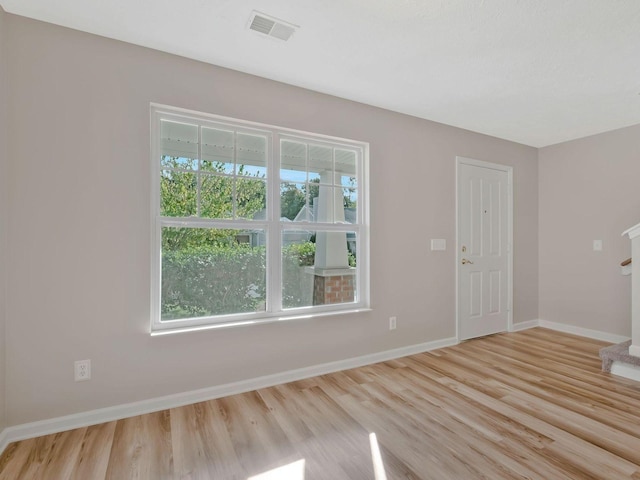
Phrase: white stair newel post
{"type": "Point", "coordinates": [634, 236]}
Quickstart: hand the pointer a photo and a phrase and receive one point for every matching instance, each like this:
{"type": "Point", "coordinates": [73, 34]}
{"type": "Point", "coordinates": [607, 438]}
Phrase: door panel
{"type": "Point", "coordinates": [475, 294]}
{"type": "Point", "coordinates": [483, 259]}
{"type": "Point", "coordinates": [495, 278]}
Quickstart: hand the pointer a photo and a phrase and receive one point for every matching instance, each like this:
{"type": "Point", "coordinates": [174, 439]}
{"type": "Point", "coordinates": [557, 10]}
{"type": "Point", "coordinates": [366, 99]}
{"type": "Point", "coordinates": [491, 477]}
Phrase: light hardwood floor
{"type": "Point", "coordinates": [532, 404]}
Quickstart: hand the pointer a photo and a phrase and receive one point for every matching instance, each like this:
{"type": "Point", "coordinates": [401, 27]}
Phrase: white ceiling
{"type": "Point", "coordinates": [536, 72]}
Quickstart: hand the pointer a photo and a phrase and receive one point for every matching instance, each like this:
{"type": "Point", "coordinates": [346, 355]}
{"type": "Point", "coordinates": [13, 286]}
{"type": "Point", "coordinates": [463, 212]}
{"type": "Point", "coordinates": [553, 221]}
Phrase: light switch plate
{"type": "Point", "coordinates": [597, 245]}
{"type": "Point", "coordinates": [438, 244]}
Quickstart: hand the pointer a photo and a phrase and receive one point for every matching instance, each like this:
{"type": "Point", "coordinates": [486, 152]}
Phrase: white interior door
{"type": "Point", "coordinates": [483, 249]}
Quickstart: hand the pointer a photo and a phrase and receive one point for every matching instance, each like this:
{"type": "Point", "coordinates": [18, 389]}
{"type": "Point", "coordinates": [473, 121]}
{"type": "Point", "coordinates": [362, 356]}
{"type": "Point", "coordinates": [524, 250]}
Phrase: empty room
{"type": "Point", "coordinates": [319, 240]}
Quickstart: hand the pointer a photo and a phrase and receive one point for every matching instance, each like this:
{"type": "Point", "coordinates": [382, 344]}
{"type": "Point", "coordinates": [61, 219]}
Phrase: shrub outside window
{"type": "Point", "coordinates": [254, 223]}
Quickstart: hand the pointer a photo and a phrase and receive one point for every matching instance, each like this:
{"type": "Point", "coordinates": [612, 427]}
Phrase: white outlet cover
{"type": "Point", "coordinates": [438, 244]}
{"type": "Point", "coordinates": [82, 370]}
{"type": "Point", "coordinates": [597, 245]}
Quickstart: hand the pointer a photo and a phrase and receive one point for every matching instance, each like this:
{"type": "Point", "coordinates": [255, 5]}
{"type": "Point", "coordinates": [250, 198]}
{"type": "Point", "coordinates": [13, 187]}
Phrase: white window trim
{"type": "Point", "coordinates": [272, 226]}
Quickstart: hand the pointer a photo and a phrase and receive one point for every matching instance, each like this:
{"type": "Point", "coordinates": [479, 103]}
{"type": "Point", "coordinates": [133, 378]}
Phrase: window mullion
{"type": "Point", "coordinates": [274, 243]}
{"type": "Point", "coordinates": [198, 174]}
{"type": "Point", "coordinates": [211, 223]}
{"type": "Point", "coordinates": [307, 183]}
{"type": "Point", "coordinates": [156, 259]}
{"type": "Point", "coordinates": [234, 199]}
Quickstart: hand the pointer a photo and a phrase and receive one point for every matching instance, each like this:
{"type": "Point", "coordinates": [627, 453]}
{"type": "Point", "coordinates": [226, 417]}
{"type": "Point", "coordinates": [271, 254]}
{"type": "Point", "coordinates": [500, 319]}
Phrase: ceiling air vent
{"type": "Point", "coordinates": [271, 26]}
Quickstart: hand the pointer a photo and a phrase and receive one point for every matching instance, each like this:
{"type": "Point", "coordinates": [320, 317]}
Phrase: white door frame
{"type": "Point", "coordinates": [458, 256]}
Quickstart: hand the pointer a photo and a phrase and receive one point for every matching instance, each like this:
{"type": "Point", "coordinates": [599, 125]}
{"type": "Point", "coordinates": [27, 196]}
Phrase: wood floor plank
{"type": "Point", "coordinates": [52, 456]}
{"type": "Point", "coordinates": [592, 377]}
{"type": "Point", "coordinates": [532, 404]}
{"type": "Point", "coordinates": [489, 441]}
{"type": "Point", "coordinates": [500, 438]}
{"type": "Point", "coordinates": [93, 458]}
{"type": "Point", "coordinates": [142, 448]}
{"type": "Point", "coordinates": [320, 457]}
{"type": "Point", "coordinates": [63, 455]}
{"type": "Point", "coordinates": [18, 458]}
{"type": "Point", "coordinates": [28, 458]}
{"type": "Point", "coordinates": [199, 441]}
{"type": "Point", "coordinates": [342, 439]}
{"type": "Point", "coordinates": [564, 395]}
{"type": "Point", "coordinates": [259, 442]}
{"type": "Point", "coordinates": [611, 388]}
{"type": "Point", "coordinates": [583, 452]}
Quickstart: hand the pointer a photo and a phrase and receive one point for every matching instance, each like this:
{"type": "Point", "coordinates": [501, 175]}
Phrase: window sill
{"type": "Point", "coordinates": [261, 321]}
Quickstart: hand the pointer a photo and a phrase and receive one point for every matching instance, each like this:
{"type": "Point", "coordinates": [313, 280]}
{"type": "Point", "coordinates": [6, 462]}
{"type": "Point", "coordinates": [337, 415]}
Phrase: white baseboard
{"type": "Point", "coordinates": [583, 332]}
{"type": "Point", "coordinates": [108, 414]}
{"type": "Point", "coordinates": [625, 370]}
{"type": "Point", "coordinates": [563, 327]}
{"type": "Point", "coordinates": [517, 327]}
{"type": "Point", "coordinates": [634, 350]}
{"type": "Point", "coordinates": [93, 417]}
{"type": "Point", "coordinates": [4, 440]}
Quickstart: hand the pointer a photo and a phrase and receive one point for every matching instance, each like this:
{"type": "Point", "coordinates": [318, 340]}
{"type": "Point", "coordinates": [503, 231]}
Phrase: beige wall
{"type": "Point", "coordinates": [3, 215]}
{"type": "Point", "coordinates": [588, 191]}
{"type": "Point", "coordinates": [80, 225]}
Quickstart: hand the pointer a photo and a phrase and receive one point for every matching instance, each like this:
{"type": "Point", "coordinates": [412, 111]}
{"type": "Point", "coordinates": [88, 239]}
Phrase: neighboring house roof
{"type": "Point", "coordinates": [309, 214]}
{"type": "Point", "coordinates": [262, 215]}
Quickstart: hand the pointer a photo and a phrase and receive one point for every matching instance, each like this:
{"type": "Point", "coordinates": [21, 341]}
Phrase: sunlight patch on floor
{"type": "Point", "coordinates": [376, 457]}
{"type": "Point", "coordinates": [291, 471]}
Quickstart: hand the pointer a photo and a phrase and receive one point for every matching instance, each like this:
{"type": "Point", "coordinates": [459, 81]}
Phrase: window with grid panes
{"type": "Point", "coordinates": [254, 223]}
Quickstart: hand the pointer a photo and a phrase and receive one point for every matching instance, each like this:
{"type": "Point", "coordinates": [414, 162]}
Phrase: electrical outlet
{"type": "Point", "coordinates": [82, 370]}
{"type": "Point", "coordinates": [392, 323]}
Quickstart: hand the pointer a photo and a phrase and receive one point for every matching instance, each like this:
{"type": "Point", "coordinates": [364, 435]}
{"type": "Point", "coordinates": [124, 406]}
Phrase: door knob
{"type": "Point", "coordinates": [465, 261]}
